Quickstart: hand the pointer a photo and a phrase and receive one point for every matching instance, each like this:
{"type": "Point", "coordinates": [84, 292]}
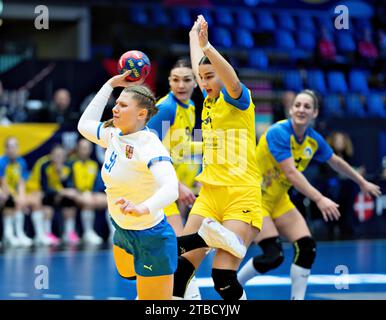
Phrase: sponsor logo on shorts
{"type": "Point", "coordinates": [148, 267]}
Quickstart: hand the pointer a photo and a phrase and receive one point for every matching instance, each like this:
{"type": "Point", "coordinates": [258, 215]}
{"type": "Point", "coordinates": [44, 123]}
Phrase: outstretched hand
{"type": "Point", "coordinates": [328, 208]}
{"type": "Point", "coordinates": [203, 31]}
{"type": "Point", "coordinates": [371, 188]}
{"type": "Point", "coordinates": [120, 80]}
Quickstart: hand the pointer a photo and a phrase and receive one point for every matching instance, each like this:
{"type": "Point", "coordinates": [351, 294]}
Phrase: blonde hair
{"type": "Point", "coordinates": [145, 98]}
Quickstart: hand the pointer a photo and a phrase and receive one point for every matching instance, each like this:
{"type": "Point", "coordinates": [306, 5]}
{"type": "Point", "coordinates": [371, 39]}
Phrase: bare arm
{"type": "Point", "coordinates": [341, 166]}
{"type": "Point", "coordinates": [225, 71]}
{"type": "Point", "coordinates": [196, 53]}
{"type": "Point", "coordinates": [328, 207]}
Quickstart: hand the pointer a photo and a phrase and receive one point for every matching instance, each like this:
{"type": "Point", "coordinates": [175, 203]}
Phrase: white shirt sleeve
{"type": "Point", "coordinates": [165, 175]}
{"type": "Point", "coordinates": [89, 124]}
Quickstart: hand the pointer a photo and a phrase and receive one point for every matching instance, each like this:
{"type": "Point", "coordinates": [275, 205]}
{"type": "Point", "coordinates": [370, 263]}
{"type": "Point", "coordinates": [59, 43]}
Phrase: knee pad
{"type": "Point", "coordinates": [226, 284]}
{"type": "Point", "coordinates": [305, 252]}
{"type": "Point", "coordinates": [272, 256]}
{"type": "Point", "coordinates": [184, 273]}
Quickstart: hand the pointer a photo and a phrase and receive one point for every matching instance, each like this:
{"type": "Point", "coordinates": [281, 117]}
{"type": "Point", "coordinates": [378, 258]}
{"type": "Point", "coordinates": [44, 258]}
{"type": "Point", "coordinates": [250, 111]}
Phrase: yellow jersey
{"type": "Point", "coordinates": [279, 143]}
{"type": "Point", "coordinates": [229, 145]}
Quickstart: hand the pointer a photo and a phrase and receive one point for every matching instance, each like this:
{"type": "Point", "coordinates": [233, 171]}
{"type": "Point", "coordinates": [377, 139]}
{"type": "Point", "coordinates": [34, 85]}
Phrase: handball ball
{"type": "Point", "coordinates": [137, 62]}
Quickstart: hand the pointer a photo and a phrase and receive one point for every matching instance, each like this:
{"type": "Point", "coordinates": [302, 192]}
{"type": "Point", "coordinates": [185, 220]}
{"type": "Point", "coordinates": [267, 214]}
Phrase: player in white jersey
{"type": "Point", "coordinates": [140, 180]}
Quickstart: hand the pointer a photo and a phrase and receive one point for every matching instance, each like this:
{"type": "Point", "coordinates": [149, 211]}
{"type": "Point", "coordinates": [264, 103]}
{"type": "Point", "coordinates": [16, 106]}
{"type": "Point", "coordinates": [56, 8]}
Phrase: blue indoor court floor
{"type": "Point", "coordinates": [90, 274]}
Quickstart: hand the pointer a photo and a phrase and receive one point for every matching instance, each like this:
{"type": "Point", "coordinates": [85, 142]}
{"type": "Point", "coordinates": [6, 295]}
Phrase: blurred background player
{"type": "Point", "coordinates": [90, 196]}
{"type": "Point", "coordinates": [229, 193]}
{"type": "Point", "coordinates": [283, 152]}
{"type": "Point", "coordinates": [59, 194]}
{"type": "Point", "coordinates": [13, 174]}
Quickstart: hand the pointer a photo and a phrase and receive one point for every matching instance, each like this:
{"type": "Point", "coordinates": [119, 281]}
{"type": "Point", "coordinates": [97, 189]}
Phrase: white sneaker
{"type": "Point", "coordinates": [42, 241]}
{"type": "Point", "coordinates": [25, 241]}
{"type": "Point", "coordinates": [217, 236]}
{"type": "Point", "coordinates": [90, 237]}
{"type": "Point", "coordinates": [11, 241]}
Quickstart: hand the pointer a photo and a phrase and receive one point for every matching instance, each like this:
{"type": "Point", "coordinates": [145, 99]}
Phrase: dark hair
{"type": "Point", "coordinates": [145, 98]}
{"type": "Point", "coordinates": [205, 60]}
{"type": "Point", "coordinates": [182, 63]}
{"type": "Point", "coordinates": [313, 95]}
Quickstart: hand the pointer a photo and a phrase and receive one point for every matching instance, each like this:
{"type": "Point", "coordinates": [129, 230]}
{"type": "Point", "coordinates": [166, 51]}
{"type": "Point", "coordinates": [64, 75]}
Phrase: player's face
{"type": "Point", "coordinates": [58, 156]}
{"type": "Point", "coordinates": [12, 148]}
{"type": "Point", "coordinates": [210, 81]}
{"type": "Point", "coordinates": [303, 111]}
{"type": "Point", "coordinates": [182, 83]}
{"type": "Point", "coordinates": [127, 115]}
{"type": "Point", "coordinates": [84, 149]}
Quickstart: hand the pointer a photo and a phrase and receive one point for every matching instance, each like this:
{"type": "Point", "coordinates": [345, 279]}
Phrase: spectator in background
{"type": "Point", "coordinates": [326, 47]}
{"type": "Point", "coordinates": [281, 111]}
{"type": "Point", "coordinates": [59, 110]}
{"type": "Point", "coordinates": [366, 46]}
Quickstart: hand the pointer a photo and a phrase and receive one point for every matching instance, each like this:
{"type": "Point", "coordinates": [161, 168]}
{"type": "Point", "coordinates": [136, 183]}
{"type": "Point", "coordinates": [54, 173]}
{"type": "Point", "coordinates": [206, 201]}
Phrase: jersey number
{"type": "Point", "coordinates": [110, 165]}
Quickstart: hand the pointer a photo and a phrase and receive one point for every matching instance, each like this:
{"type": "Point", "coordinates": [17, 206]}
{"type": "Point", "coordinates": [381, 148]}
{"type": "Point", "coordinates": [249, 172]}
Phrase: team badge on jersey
{"type": "Point", "coordinates": [129, 151]}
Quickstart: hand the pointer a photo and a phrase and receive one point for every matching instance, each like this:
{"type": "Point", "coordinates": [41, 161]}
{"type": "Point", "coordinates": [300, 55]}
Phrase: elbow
{"type": "Point", "coordinates": [174, 190]}
{"type": "Point", "coordinates": [290, 175]}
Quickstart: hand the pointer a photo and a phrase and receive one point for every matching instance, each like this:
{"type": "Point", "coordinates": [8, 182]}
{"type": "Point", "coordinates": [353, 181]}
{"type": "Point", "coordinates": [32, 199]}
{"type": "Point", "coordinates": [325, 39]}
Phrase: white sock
{"type": "Point", "coordinates": [48, 225]}
{"type": "Point", "coordinates": [37, 218]}
{"type": "Point", "coordinates": [19, 224]}
{"type": "Point", "coordinates": [192, 292]}
{"type": "Point", "coordinates": [88, 217]}
{"type": "Point", "coordinates": [69, 225]}
{"type": "Point", "coordinates": [247, 272]}
{"type": "Point", "coordinates": [244, 296]}
{"type": "Point", "coordinates": [8, 227]}
{"type": "Point", "coordinates": [299, 278]}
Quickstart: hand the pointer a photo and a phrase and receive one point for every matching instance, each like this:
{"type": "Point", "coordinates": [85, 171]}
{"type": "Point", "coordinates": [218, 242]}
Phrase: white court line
{"type": "Point", "coordinates": [318, 279]}
{"type": "Point", "coordinates": [18, 294]}
{"type": "Point", "coordinates": [84, 297]}
{"type": "Point", "coordinates": [115, 298]}
{"type": "Point", "coordinates": [52, 296]}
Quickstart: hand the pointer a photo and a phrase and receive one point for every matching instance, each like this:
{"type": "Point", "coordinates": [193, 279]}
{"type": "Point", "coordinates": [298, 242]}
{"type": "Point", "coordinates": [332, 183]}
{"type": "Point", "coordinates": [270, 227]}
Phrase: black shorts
{"type": "Point", "coordinates": [10, 202]}
{"type": "Point", "coordinates": [54, 201]}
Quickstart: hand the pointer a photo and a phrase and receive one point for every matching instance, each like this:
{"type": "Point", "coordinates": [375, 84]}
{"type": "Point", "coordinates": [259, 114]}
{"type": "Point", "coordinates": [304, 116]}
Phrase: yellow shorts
{"type": "Point", "coordinates": [171, 210]}
{"type": "Point", "coordinates": [230, 203]}
{"type": "Point", "coordinates": [276, 207]}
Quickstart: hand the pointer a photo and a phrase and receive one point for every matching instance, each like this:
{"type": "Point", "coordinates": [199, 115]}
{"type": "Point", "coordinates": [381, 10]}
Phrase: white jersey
{"type": "Point", "coordinates": [126, 172]}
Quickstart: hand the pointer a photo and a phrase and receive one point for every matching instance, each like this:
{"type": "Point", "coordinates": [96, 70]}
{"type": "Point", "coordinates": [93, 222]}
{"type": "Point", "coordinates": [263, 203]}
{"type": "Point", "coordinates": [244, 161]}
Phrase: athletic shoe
{"type": "Point", "coordinates": [91, 238]}
{"type": "Point", "coordinates": [71, 238]}
{"type": "Point", "coordinates": [42, 241]}
{"type": "Point", "coordinates": [216, 235]}
{"type": "Point", "coordinates": [53, 240]}
{"type": "Point", "coordinates": [11, 241]}
{"type": "Point", "coordinates": [25, 241]}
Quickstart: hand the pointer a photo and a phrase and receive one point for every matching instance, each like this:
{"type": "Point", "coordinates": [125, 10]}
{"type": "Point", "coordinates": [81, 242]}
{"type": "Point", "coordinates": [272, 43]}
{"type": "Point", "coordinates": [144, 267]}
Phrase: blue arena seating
{"type": "Point", "coordinates": [284, 39]}
{"type": "Point", "coordinates": [257, 59]}
{"type": "Point", "coordinates": [244, 38]}
{"type": "Point", "coordinates": [138, 15]}
{"type": "Point", "coordinates": [354, 106]}
{"type": "Point", "coordinates": [159, 16]}
{"type": "Point", "coordinates": [375, 105]}
{"type": "Point", "coordinates": [181, 17]}
{"type": "Point", "coordinates": [224, 17]}
{"type": "Point", "coordinates": [306, 23]}
{"type": "Point", "coordinates": [245, 19]}
{"type": "Point", "coordinates": [293, 81]}
{"type": "Point", "coordinates": [345, 42]}
{"type": "Point", "coordinates": [316, 81]}
{"type": "Point", "coordinates": [331, 106]}
{"type": "Point", "coordinates": [265, 21]}
{"type": "Point", "coordinates": [358, 81]}
{"type": "Point", "coordinates": [306, 40]}
{"type": "Point", "coordinates": [221, 37]}
{"type": "Point", "coordinates": [336, 81]}
{"type": "Point", "coordinates": [286, 21]}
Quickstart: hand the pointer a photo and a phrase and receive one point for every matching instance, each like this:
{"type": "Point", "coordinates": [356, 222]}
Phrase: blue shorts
{"type": "Point", "coordinates": [154, 249]}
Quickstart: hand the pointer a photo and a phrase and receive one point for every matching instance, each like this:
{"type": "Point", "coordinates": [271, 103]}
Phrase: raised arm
{"type": "Point", "coordinates": [196, 53]}
{"type": "Point", "coordinates": [341, 166]}
{"type": "Point", "coordinates": [328, 207]}
{"type": "Point", "coordinates": [89, 121]}
{"type": "Point", "coordinates": [225, 71]}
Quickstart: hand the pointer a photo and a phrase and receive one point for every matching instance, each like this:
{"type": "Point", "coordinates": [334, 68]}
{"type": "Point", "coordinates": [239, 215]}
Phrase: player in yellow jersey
{"type": "Point", "coordinates": [13, 174]}
{"type": "Point", "coordinates": [88, 182]}
{"type": "Point", "coordinates": [174, 124]}
{"type": "Point", "coordinates": [229, 192]}
{"type": "Point", "coordinates": [283, 152]}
